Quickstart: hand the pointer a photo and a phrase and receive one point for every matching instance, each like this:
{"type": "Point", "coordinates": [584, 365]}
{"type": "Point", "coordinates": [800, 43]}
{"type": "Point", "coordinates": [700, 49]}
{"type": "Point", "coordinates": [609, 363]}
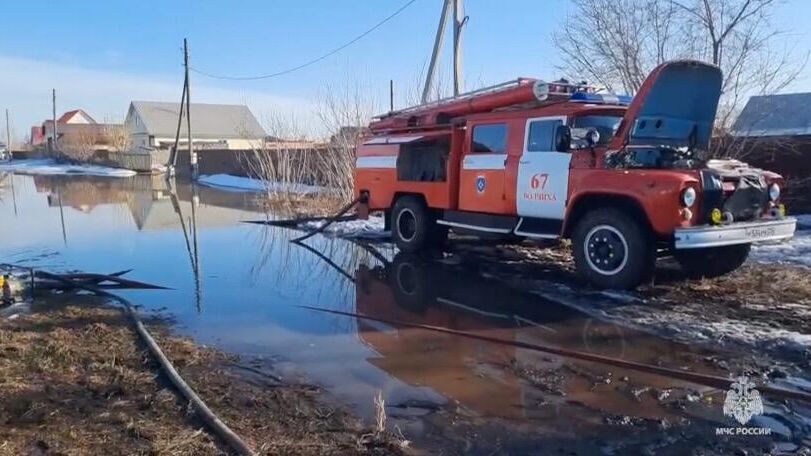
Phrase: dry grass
{"type": "Point", "coordinates": [293, 205]}
{"type": "Point", "coordinates": [751, 283]}
{"type": "Point", "coordinates": [76, 380]}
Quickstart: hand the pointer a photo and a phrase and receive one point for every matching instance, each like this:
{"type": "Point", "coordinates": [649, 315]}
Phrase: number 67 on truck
{"type": "Point", "coordinates": [627, 180]}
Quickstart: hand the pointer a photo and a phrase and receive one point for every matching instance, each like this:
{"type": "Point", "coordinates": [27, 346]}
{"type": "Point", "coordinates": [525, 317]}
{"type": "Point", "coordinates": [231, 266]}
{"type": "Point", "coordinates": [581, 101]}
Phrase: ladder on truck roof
{"type": "Point", "coordinates": [543, 91]}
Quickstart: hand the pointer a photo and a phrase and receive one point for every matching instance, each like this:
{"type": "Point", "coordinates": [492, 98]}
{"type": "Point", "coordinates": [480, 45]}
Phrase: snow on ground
{"type": "Point", "coordinates": [797, 251]}
{"type": "Point", "coordinates": [373, 228]}
{"type": "Point", "coordinates": [803, 221]}
{"type": "Point", "coordinates": [681, 323]}
{"type": "Point", "coordinates": [246, 184]}
{"type": "Point", "coordinates": [53, 168]}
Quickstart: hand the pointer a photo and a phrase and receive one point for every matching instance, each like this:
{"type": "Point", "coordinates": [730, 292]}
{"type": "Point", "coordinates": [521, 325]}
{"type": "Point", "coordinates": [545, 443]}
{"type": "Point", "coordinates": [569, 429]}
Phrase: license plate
{"type": "Point", "coordinates": [760, 232]}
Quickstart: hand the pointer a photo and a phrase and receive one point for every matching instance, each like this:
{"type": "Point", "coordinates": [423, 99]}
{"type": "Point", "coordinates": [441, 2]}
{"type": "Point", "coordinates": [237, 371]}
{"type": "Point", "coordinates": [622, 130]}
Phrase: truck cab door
{"type": "Point", "coordinates": [483, 168]}
{"type": "Point", "coordinates": [543, 180]}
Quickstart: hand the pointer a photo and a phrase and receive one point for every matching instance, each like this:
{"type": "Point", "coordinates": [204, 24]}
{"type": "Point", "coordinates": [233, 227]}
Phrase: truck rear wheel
{"type": "Point", "coordinates": [714, 261]}
{"type": "Point", "coordinates": [612, 250]}
{"type": "Point", "coordinates": [413, 226]}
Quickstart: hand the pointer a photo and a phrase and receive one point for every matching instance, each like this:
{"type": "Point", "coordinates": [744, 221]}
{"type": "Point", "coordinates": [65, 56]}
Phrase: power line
{"type": "Point", "coordinates": [310, 62]}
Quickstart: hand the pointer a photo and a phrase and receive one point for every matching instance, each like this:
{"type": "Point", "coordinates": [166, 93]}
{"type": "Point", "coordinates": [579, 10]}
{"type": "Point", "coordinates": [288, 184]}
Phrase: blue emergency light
{"type": "Point", "coordinates": [600, 98]}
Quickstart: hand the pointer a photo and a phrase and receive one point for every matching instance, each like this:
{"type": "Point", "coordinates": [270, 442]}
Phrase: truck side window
{"type": "Point", "coordinates": [490, 139]}
{"type": "Point", "coordinates": [542, 135]}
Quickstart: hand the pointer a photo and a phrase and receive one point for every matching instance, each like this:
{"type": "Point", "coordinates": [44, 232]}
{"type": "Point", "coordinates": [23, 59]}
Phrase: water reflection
{"type": "Point", "coordinates": [152, 202]}
{"type": "Point", "coordinates": [555, 393]}
{"type": "Point", "coordinates": [498, 380]}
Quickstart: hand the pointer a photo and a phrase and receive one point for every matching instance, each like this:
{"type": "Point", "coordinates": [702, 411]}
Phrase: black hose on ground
{"type": "Point", "coordinates": [330, 220]}
{"type": "Point", "coordinates": [209, 418]}
{"type": "Point", "coordinates": [694, 377]}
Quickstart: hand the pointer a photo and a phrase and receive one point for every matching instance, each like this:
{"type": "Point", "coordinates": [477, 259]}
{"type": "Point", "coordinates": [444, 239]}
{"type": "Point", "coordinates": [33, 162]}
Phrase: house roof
{"type": "Point", "coordinates": [207, 120]}
{"type": "Point", "coordinates": [775, 115]}
{"type": "Point", "coordinates": [65, 118]}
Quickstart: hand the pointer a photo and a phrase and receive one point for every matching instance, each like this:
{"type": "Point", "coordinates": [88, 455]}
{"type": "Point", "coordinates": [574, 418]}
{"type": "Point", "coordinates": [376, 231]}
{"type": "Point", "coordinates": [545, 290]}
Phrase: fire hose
{"type": "Point", "coordinates": [330, 220]}
{"type": "Point", "coordinates": [693, 377]}
{"type": "Point", "coordinates": [211, 420]}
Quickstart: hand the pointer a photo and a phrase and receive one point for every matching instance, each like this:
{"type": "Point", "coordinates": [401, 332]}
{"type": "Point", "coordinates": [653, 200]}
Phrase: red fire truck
{"type": "Point", "coordinates": [627, 180]}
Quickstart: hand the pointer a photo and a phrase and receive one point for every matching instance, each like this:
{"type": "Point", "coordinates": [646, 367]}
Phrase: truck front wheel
{"type": "Point", "coordinates": [413, 225]}
{"type": "Point", "coordinates": [714, 261]}
{"type": "Point", "coordinates": [612, 250]}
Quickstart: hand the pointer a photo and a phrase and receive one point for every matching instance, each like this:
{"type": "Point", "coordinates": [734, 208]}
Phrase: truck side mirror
{"type": "Point", "coordinates": [593, 137]}
{"type": "Point", "coordinates": [563, 138]}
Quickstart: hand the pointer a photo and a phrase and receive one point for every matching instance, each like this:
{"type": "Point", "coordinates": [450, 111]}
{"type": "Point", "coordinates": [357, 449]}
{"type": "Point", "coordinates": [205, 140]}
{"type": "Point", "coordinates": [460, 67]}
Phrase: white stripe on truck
{"type": "Point", "coordinates": [479, 161]}
{"type": "Point", "coordinates": [388, 162]}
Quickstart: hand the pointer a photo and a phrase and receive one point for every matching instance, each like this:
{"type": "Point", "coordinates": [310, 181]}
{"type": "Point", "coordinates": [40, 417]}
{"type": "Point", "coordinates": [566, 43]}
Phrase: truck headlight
{"type": "Point", "coordinates": [688, 197]}
{"type": "Point", "coordinates": [774, 192]}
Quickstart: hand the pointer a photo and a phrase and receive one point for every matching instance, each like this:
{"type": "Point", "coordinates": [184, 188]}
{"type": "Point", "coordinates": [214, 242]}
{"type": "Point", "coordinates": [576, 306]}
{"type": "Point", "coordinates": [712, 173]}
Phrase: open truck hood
{"type": "Point", "coordinates": [675, 107]}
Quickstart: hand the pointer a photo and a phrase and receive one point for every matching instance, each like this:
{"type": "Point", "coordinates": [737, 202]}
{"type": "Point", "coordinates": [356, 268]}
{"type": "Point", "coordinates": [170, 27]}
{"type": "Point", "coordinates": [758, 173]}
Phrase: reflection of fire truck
{"type": "Point", "coordinates": [624, 179]}
{"type": "Point", "coordinates": [482, 375]}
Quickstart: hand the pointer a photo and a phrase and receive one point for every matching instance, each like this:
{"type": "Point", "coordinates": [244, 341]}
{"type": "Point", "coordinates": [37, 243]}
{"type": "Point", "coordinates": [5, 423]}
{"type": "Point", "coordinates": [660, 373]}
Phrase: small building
{"type": "Point", "coordinates": [152, 126]}
{"type": "Point", "coordinates": [774, 133]}
{"type": "Point", "coordinates": [72, 127]}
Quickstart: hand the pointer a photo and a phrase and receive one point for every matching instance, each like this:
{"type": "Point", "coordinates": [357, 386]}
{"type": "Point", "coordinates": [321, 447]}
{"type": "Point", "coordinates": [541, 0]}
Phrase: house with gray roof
{"type": "Point", "coordinates": [775, 131]}
{"type": "Point", "coordinates": [152, 126]}
{"type": "Point", "coordinates": [774, 116]}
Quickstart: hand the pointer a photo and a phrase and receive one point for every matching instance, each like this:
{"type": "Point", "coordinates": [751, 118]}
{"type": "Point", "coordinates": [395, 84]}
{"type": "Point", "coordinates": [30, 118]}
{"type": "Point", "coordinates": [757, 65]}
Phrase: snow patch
{"type": "Point", "coordinates": [796, 251]}
{"type": "Point", "coordinates": [53, 168]}
{"type": "Point", "coordinates": [246, 184]}
{"type": "Point", "coordinates": [681, 324]}
{"type": "Point", "coordinates": [373, 228]}
{"type": "Point", "coordinates": [803, 222]}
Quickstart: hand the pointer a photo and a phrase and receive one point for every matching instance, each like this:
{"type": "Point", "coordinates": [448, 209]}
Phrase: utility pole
{"type": "Point", "coordinates": [440, 37]}
{"type": "Point", "coordinates": [55, 132]}
{"type": "Point", "coordinates": [391, 95]}
{"type": "Point", "coordinates": [459, 20]}
{"type": "Point", "coordinates": [170, 166]}
{"type": "Point", "coordinates": [192, 153]}
{"type": "Point", "coordinates": [8, 135]}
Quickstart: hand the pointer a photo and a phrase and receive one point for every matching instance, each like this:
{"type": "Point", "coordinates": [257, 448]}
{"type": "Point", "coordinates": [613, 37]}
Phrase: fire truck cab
{"type": "Point", "coordinates": [627, 180]}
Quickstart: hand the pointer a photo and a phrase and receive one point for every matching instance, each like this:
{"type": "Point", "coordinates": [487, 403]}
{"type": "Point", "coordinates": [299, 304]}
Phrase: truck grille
{"type": "Point", "coordinates": [745, 196]}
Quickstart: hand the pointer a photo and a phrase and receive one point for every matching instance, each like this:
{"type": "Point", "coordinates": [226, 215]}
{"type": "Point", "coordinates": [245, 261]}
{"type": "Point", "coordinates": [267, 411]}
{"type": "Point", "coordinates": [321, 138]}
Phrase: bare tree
{"type": "Point", "coordinates": [279, 160]}
{"type": "Point", "coordinates": [294, 161]}
{"type": "Point", "coordinates": [79, 146]}
{"type": "Point", "coordinates": [117, 137]}
{"type": "Point", "coordinates": [345, 112]}
{"type": "Point", "coordinates": [618, 42]}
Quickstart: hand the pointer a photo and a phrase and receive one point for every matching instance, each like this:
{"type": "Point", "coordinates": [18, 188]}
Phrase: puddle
{"type": "Point", "coordinates": [236, 286]}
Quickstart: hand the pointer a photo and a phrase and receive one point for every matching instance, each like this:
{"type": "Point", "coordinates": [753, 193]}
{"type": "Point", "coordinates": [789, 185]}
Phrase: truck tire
{"type": "Point", "coordinates": [410, 280]}
{"type": "Point", "coordinates": [612, 250]}
{"type": "Point", "coordinates": [413, 225]}
{"type": "Point", "coordinates": [714, 261]}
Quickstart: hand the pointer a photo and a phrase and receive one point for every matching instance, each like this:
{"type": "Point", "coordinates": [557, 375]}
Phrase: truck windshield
{"type": "Point", "coordinates": [605, 125]}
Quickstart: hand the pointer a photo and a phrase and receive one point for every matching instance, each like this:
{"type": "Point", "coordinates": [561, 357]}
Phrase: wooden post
{"type": "Point", "coordinates": [192, 153]}
{"type": "Point", "coordinates": [170, 167]}
{"type": "Point", "coordinates": [440, 36]}
{"type": "Point", "coordinates": [459, 20]}
{"type": "Point", "coordinates": [55, 132]}
{"type": "Point", "coordinates": [8, 136]}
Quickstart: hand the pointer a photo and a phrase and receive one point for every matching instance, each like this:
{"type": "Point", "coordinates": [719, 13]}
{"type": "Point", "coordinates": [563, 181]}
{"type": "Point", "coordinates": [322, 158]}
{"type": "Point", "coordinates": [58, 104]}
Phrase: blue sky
{"type": "Point", "coordinates": [99, 55]}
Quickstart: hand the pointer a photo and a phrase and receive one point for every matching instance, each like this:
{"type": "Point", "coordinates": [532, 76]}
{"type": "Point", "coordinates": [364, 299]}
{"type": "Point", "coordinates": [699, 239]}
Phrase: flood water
{"type": "Point", "coordinates": [237, 286]}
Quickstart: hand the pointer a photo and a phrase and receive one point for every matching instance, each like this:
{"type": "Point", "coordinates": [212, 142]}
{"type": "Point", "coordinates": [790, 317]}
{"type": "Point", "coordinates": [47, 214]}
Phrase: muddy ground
{"type": "Point", "coordinates": [75, 379]}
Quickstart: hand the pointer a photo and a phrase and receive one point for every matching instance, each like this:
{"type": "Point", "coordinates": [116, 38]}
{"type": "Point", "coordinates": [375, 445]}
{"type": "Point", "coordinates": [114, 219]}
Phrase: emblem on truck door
{"type": "Point", "coordinates": [481, 184]}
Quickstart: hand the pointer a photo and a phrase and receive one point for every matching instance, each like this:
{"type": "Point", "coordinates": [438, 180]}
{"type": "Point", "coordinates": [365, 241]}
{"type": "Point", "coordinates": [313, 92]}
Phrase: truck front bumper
{"type": "Point", "coordinates": [734, 233]}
